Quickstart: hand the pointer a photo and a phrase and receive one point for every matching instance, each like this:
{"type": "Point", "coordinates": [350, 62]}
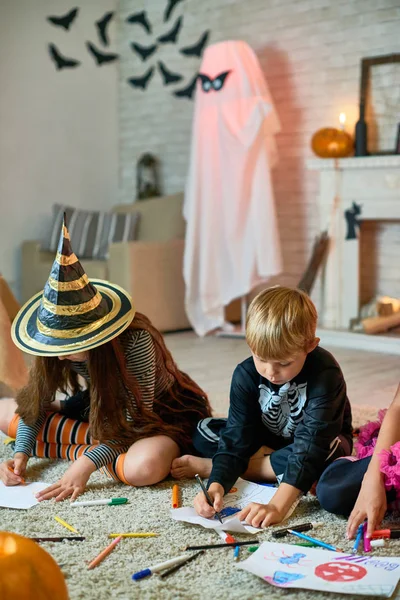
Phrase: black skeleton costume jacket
{"type": "Point", "coordinates": [309, 412]}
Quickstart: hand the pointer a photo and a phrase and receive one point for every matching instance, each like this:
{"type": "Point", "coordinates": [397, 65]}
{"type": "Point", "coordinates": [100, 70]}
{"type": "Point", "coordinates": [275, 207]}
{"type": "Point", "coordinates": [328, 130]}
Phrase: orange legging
{"type": "Point", "coordinates": [61, 437]}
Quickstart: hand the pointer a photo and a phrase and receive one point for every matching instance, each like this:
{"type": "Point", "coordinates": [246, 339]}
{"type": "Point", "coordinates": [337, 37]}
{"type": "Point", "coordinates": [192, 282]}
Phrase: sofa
{"type": "Point", "coordinates": [150, 267]}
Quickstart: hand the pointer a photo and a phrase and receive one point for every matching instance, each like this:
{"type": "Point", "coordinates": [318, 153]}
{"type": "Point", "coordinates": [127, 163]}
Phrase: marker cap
{"type": "Point", "coordinates": [141, 574]}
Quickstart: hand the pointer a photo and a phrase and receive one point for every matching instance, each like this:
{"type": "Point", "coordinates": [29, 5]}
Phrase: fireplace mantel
{"type": "Point", "coordinates": [351, 190]}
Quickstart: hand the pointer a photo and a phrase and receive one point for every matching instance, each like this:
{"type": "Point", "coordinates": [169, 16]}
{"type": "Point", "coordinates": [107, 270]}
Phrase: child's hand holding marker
{"type": "Point", "coordinates": [203, 506]}
{"type": "Point", "coordinates": [12, 471]}
{"type": "Point", "coordinates": [371, 504]}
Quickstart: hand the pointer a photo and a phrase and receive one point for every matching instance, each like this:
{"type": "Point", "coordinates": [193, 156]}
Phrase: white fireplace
{"type": "Point", "coordinates": [352, 190]}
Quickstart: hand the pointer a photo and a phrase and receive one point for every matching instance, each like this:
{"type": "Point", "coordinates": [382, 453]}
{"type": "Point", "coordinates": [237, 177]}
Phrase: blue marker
{"type": "Point", "coordinates": [314, 540]}
{"type": "Point", "coordinates": [236, 553]}
{"type": "Point", "coordinates": [358, 538]}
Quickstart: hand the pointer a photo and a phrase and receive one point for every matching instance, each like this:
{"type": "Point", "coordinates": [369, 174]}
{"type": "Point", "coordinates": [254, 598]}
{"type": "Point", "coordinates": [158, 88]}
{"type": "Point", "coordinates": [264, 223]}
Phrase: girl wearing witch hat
{"type": "Point", "coordinates": [138, 411]}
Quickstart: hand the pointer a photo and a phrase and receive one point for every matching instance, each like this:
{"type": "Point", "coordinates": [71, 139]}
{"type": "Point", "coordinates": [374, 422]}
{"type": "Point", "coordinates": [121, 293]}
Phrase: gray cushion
{"type": "Point", "coordinates": [91, 232]}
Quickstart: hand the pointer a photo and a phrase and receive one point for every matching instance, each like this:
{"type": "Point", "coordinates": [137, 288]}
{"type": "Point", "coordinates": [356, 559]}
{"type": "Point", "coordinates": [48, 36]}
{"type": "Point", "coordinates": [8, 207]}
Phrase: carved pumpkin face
{"type": "Point", "coordinates": [331, 143]}
{"type": "Point", "coordinates": [26, 567]}
{"type": "Point", "coordinates": [340, 571]}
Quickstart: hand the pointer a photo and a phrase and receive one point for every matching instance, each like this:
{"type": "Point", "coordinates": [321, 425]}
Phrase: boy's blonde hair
{"type": "Point", "coordinates": [280, 322]}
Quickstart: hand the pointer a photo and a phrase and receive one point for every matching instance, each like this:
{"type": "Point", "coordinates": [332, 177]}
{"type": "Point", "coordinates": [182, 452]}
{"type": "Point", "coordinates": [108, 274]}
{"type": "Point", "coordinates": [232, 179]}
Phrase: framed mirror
{"type": "Point", "coordinates": [380, 102]}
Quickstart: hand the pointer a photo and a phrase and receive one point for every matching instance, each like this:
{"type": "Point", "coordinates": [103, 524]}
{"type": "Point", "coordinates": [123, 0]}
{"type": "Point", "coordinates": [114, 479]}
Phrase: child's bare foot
{"type": "Point", "coordinates": [186, 467]}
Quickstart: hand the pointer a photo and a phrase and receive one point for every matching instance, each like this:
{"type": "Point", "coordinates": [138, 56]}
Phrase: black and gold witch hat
{"type": "Point", "coordinates": [72, 314]}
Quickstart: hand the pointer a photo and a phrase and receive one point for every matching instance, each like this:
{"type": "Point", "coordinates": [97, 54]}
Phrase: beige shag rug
{"type": "Point", "coordinates": [212, 575]}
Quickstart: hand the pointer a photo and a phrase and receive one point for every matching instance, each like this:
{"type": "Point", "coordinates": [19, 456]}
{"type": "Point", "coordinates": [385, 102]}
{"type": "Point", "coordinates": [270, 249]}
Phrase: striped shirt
{"type": "Point", "coordinates": [142, 362]}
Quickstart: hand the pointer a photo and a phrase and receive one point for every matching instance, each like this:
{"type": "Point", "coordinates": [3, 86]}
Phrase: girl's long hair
{"type": "Point", "coordinates": [114, 393]}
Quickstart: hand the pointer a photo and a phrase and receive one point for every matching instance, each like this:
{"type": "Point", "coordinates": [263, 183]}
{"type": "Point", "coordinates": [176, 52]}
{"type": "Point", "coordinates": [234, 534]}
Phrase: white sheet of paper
{"type": "Point", "coordinates": [290, 566]}
{"type": "Point", "coordinates": [241, 494]}
{"type": "Point", "coordinates": [20, 496]}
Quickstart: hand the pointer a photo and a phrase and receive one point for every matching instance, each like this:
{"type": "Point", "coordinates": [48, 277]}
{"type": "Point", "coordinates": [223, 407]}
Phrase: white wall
{"type": "Point", "coordinates": [58, 129]}
{"type": "Point", "coordinates": [310, 51]}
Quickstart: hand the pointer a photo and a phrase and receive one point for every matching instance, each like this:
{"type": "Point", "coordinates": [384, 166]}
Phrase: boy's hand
{"type": "Point", "coordinates": [260, 515]}
{"type": "Point", "coordinates": [201, 505]}
{"type": "Point", "coordinates": [12, 471]}
{"type": "Point", "coordinates": [72, 483]}
{"type": "Point", "coordinates": [371, 504]}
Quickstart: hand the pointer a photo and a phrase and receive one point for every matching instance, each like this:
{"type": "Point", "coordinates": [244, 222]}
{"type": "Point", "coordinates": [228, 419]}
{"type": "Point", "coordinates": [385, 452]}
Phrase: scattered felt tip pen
{"type": "Point", "coordinates": [236, 553]}
{"type": "Point", "coordinates": [393, 534]}
{"type": "Point", "coordinates": [104, 553]}
{"type": "Point", "coordinates": [301, 528]}
{"type": "Point", "coordinates": [106, 501]}
{"type": "Point", "coordinates": [160, 567]}
{"type": "Point", "coordinates": [175, 496]}
{"type": "Point", "coordinates": [66, 525]}
{"type": "Point", "coordinates": [132, 535]}
{"type": "Point", "coordinates": [61, 538]}
{"type": "Point", "coordinates": [169, 572]}
{"type": "Point", "coordinates": [358, 538]}
{"type": "Point", "coordinates": [367, 541]}
{"type": "Point", "coordinates": [314, 541]}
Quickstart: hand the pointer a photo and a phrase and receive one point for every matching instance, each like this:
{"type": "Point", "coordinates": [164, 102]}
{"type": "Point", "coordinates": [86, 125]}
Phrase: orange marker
{"type": "Point", "coordinates": [96, 561]}
{"type": "Point", "coordinates": [22, 479]}
{"type": "Point", "coordinates": [175, 496]}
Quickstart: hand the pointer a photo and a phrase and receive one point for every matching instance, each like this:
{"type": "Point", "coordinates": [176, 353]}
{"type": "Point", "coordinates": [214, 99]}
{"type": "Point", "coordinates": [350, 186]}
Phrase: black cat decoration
{"type": "Point", "coordinates": [353, 224]}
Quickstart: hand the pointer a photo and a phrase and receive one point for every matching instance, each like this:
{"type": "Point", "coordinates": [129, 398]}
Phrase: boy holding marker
{"type": "Point", "coordinates": [289, 414]}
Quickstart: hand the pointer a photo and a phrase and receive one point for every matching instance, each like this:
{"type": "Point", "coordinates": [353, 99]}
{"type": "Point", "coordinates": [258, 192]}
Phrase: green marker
{"type": "Point", "coordinates": [109, 502]}
{"type": "Point", "coordinates": [253, 548]}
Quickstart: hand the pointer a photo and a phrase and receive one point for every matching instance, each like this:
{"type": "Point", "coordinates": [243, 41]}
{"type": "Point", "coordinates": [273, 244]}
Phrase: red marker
{"type": "Point", "coordinates": [393, 534]}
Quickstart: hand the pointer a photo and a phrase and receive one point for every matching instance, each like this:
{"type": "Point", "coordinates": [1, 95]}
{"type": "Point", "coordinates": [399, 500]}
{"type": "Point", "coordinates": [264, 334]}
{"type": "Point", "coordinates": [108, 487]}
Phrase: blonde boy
{"type": "Point", "coordinates": [289, 415]}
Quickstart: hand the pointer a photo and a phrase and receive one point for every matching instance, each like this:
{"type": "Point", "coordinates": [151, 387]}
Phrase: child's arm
{"type": "Point", "coordinates": [371, 501]}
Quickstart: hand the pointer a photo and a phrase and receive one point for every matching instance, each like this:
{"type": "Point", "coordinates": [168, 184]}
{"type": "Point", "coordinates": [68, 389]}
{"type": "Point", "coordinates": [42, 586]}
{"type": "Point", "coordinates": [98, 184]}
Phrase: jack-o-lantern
{"type": "Point", "coordinates": [332, 143]}
{"type": "Point", "coordinates": [339, 571]}
{"type": "Point", "coordinates": [27, 572]}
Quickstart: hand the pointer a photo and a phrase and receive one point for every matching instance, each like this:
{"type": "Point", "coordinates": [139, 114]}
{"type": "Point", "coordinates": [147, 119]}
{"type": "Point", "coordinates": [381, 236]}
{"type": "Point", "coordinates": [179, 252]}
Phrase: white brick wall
{"type": "Point", "coordinates": [310, 51]}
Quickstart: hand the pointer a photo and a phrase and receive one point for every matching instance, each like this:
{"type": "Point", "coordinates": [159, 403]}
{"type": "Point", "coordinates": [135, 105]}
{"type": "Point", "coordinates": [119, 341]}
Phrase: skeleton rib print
{"type": "Point", "coordinates": [282, 410]}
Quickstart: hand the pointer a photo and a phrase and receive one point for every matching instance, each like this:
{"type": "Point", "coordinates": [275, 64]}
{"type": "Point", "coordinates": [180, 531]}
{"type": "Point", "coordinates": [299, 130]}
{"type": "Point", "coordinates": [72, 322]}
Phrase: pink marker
{"type": "Point", "coordinates": [367, 543]}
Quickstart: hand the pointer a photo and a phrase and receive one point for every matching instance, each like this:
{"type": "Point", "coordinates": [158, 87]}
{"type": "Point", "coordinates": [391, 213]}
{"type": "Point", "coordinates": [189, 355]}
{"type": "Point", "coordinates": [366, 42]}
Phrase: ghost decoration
{"type": "Point", "coordinates": [232, 241]}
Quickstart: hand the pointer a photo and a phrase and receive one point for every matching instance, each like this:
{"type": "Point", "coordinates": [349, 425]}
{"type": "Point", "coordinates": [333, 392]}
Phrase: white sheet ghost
{"type": "Point", "coordinates": [232, 241]}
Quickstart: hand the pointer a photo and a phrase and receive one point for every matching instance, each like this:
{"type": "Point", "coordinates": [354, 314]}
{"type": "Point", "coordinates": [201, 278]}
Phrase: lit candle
{"type": "Point", "coordinates": [342, 119]}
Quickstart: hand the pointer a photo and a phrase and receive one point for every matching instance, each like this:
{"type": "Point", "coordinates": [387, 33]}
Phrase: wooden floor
{"type": "Point", "coordinates": [371, 378]}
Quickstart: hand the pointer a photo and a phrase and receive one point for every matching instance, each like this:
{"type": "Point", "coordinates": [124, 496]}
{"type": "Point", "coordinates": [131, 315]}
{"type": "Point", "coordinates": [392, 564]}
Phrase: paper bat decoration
{"type": "Point", "coordinates": [142, 82]}
{"type": "Point", "coordinates": [215, 84]}
{"type": "Point", "coordinates": [144, 51]}
{"type": "Point", "coordinates": [101, 25]}
{"type": "Point", "coordinates": [172, 36]}
{"type": "Point", "coordinates": [169, 8]}
{"type": "Point", "coordinates": [100, 57]}
{"type": "Point", "coordinates": [61, 62]}
{"type": "Point", "coordinates": [188, 91]}
{"type": "Point", "coordinates": [167, 76]}
{"type": "Point", "coordinates": [140, 19]}
{"type": "Point", "coordinates": [66, 20]}
{"type": "Point", "coordinates": [196, 49]}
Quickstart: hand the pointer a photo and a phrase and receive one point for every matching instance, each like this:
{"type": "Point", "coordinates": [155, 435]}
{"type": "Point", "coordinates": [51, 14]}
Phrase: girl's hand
{"type": "Point", "coordinates": [201, 505]}
{"type": "Point", "coordinates": [371, 504]}
{"type": "Point", "coordinates": [260, 515]}
{"type": "Point", "coordinates": [72, 483]}
{"type": "Point", "coordinates": [12, 471]}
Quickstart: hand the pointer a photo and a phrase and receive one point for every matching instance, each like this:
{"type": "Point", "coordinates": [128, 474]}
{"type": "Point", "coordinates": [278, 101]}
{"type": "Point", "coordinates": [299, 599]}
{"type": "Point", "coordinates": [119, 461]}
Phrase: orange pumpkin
{"type": "Point", "coordinates": [27, 572]}
{"type": "Point", "coordinates": [331, 143]}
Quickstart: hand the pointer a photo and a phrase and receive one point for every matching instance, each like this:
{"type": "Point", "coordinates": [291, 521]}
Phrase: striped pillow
{"type": "Point", "coordinates": [91, 232]}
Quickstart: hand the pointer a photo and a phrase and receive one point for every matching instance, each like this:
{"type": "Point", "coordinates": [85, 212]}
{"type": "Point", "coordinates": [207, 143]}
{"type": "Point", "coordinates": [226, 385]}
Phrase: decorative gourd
{"type": "Point", "coordinates": [27, 572]}
{"type": "Point", "coordinates": [331, 143]}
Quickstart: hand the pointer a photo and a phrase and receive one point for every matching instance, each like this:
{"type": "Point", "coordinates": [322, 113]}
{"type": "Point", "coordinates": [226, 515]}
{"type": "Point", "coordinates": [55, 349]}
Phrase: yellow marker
{"type": "Point", "coordinates": [132, 535]}
{"type": "Point", "coordinates": [66, 525]}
